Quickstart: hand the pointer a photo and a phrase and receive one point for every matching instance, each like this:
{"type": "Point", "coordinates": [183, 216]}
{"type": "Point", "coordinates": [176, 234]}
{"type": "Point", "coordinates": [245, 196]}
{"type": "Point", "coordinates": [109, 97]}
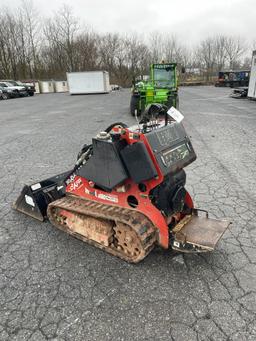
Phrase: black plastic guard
{"type": "Point", "coordinates": [34, 199]}
{"type": "Point", "coordinates": [138, 162]}
{"type": "Point", "coordinates": [105, 167]}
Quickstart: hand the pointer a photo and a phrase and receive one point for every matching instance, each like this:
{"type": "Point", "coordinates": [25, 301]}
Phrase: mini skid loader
{"type": "Point", "coordinates": [126, 193]}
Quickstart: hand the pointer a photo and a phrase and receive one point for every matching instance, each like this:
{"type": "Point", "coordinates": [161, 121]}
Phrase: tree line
{"type": "Point", "coordinates": [46, 48]}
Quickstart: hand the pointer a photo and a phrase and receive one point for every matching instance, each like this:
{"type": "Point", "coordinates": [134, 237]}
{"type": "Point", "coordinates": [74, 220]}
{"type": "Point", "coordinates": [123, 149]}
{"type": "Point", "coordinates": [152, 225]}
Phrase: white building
{"type": "Point", "coordinates": [252, 82]}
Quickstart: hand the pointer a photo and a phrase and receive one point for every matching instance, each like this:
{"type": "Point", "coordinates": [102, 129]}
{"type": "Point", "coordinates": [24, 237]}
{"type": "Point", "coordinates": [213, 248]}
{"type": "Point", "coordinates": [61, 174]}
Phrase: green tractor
{"type": "Point", "coordinates": [160, 88]}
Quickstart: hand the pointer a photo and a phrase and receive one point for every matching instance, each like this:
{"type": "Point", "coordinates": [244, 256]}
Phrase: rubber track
{"type": "Point", "coordinates": [145, 230]}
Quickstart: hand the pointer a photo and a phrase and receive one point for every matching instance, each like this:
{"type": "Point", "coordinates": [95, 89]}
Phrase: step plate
{"type": "Point", "coordinates": [199, 231]}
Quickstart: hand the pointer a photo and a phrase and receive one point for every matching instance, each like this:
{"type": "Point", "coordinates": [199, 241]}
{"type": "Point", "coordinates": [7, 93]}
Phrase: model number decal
{"type": "Point", "coordinates": [102, 196]}
{"type": "Point", "coordinates": [70, 179]}
{"type": "Point", "coordinates": [107, 197]}
{"type": "Point", "coordinates": [76, 184]}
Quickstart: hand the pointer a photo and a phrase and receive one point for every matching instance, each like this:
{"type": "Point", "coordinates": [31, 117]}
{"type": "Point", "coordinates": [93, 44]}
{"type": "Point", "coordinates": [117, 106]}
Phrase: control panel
{"type": "Point", "coordinates": [172, 147]}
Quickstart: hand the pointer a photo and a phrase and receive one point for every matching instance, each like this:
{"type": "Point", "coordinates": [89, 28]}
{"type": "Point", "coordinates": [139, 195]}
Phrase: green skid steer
{"type": "Point", "coordinates": [161, 87]}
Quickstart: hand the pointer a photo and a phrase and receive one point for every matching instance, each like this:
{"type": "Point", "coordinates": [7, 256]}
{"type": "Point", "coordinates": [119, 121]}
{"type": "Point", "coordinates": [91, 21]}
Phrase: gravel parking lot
{"type": "Point", "coordinates": [54, 287]}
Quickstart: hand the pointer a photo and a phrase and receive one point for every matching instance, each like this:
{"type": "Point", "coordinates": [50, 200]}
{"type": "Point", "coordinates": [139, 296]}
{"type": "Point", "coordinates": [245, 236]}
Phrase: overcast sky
{"type": "Point", "coordinates": [190, 20]}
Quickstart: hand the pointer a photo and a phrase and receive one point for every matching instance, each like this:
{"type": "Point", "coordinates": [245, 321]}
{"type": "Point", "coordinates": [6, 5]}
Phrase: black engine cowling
{"type": "Point", "coordinates": [169, 196]}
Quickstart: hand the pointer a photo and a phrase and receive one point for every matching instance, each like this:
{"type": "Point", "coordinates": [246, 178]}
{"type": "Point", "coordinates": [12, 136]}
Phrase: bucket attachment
{"type": "Point", "coordinates": [35, 198]}
{"type": "Point", "coordinates": [198, 234]}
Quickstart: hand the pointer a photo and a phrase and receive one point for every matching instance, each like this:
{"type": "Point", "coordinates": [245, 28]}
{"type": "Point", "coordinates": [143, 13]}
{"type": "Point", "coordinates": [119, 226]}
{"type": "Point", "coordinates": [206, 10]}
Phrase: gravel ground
{"type": "Point", "coordinates": [54, 287]}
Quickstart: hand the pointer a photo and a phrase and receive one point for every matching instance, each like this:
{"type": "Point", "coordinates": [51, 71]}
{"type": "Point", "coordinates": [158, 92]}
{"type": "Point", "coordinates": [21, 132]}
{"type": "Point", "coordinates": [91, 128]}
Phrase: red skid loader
{"type": "Point", "coordinates": [126, 193]}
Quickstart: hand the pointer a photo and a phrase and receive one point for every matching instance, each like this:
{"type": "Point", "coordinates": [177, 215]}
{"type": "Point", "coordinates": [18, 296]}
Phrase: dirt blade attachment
{"type": "Point", "coordinates": [198, 234]}
{"type": "Point", "coordinates": [34, 199]}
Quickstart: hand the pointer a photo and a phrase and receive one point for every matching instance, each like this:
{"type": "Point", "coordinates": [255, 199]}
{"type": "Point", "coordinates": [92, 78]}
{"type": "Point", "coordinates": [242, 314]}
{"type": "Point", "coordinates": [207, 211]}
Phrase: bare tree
{"type": "Point", "coordinates": [121, 71]}
{"type": "Point", "coordinates": [137, 54]}
{"type": "Point", "coordinates": [61, 32]}
{"type": "Point", "coordinates": [86, 51]}
{"type": "Point", "coordinates": [246, 63]}
{"type": "Point", "coordinates": [235, 48]}
{"type": "Point", "coordinates": [29, 29]}
{"type": "Point", "coordinates": [254, 44]}
{"type": "Point", "coordinates": [156, 47]}
{"type": "Point", "coordinates": [108, 46]}
{"type": "Point", "coordinates": [10, 43]}
{"type": "Point", "coordinates": [172, 50]}
{"type": "Point", "coordinates": [206, 53]}
{"type": "Point", "coordinates": [220, 50]}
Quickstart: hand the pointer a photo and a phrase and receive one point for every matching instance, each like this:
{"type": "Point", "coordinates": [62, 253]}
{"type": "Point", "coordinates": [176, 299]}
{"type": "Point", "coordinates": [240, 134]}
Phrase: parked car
{"type": "Point", "coordinates": [2, 95]}
{"type": "Point", "coordinates": [6, 92]}
{"type": "Point", "coordinates": [30, 88]}
{"type": "Point", "coordinates": [115, 87]}
{"type": "Point", "coordinates": [18, 89]}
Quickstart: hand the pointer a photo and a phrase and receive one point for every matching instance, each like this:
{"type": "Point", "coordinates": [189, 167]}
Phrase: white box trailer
{"type": "Point", "coordinates": [88, 82]}
{"type": "Point", "coordinates": [252, 82]}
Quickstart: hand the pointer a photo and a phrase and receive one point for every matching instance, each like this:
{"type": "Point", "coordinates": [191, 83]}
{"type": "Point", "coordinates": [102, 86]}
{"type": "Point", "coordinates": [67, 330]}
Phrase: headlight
{"type": "Point", "coordinates": [29, 87]}
{"type": "Point", "coordinates": [8, 90]}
